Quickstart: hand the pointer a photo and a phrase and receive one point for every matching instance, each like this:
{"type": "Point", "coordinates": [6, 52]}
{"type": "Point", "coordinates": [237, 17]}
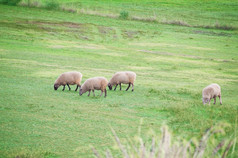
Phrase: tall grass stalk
{"type": "Point", "coordinates": [167, 146]}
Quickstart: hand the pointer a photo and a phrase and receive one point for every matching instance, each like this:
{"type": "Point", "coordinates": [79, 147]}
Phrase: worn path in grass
{"type": "Point", "coordinates": [173, 64]}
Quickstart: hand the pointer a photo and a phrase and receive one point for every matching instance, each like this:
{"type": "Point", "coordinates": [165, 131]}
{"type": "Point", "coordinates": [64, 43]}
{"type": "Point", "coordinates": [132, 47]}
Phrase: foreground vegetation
{"type": "Point", "coordinates": [167, 146]}
{"type": "Point", "coordinates": [173, 64]}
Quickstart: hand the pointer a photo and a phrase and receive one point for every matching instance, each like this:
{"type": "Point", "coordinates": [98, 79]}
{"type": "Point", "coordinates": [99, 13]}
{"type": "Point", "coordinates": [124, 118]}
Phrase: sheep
{"type": "Point", "coordinates": [68, 78]}
{"type": "Point", "coordinates": [211, 91]}
{"type": "Point", "coordinates": [98, 83]}
{"type": "Point", "coordinates": [126, 77]}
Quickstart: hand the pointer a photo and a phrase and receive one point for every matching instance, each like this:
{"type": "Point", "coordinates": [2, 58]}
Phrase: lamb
{"type": "Point", "coordinates": [98, 83]}
{"type": "Point", "coordinates": [68, 78]}
{"type": "Point", "coordinates": [211, 91]}
{"type": "Point", "coordinates": [126, 77]}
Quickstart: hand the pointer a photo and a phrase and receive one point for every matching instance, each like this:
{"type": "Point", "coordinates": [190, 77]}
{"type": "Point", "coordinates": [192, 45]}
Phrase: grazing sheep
{"type": "Point", "coordinates": [68, 78]}
{"type": "Point", "coordinates": [126, 77]}
{"type": "Point", "coordinates": [98, 83]}
{"type": "Point", "coordinates": [211, 91]}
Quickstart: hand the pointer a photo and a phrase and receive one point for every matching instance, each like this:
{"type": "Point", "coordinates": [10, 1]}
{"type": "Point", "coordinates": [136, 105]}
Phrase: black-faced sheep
{"type": "Point", "coordinates": [126, 77]}
{"type": "Point", "coordinates": [96, 83]}
{"type": "Point", "coordinates": [211, 91]}
{"type": "Point", "coordinates": [68, 78]}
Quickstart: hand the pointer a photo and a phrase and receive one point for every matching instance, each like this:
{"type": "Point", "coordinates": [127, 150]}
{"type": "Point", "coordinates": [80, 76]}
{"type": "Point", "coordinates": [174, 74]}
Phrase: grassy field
{"type": "Point", "coordinates": [173, 64]}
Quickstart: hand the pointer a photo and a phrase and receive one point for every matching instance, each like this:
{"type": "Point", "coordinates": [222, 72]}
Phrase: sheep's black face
{"type": "Point", "coordinates": [80, 92]}
{"type": "Point", "coordinates": [109, 86]}
{"type": "Point", "coordinates": [56, 86]}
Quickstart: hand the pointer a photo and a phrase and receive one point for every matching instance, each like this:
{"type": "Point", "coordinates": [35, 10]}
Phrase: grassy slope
{"type": "Point", "coordinates": [193, 12]}
{"type": "Point", "coordinates": [172, 63]}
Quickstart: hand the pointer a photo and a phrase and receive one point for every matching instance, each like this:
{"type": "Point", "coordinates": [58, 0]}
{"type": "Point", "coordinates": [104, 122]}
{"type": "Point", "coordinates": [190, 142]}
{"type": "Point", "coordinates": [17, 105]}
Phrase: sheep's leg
{"type": "Point", "coordinates": [76, 88]}
{"type": "Point", "coordinates": [214, 100]}
{"type": "Point", "coordinates": [209, 101]}
{"type": "Point", "coordinates": [132, 87]}
{"type": "Point", "coordinates": [120, 86]}
{"type": "Point", "coordinates": [128, 86]}
{"type": "Point", "coordinates": [93, 93]}
{"type": "Point", "coordinates": [220, 99]}
{"type": "Point", "coordinates": [69, 87]}
{"type": "Point", "coordinates": [105, 93]}
{"type": "Point", "coordinates": [101, 93]}
{"type": "Point", "coordinates": [89, 92]}
{"type": "Point", "coordinates": [63, 88]}
{"type": "Point", "coordinates": [115, 87]}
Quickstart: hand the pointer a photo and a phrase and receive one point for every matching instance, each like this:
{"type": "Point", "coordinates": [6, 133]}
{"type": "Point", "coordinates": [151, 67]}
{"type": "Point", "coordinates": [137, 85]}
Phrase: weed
{"type": "Point", "coordinates": [10, 2]}
{"type": "Point", "coordinates": [52, 5]}
{"type": "Point", "coordinates": [124, 15]}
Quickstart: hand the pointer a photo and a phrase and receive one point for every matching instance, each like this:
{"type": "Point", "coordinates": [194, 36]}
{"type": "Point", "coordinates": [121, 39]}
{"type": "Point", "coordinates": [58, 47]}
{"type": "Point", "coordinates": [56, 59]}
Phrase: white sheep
{"type": "Point", "coordinates": [211, 91]}
{"type": "Point", "coordinates": [126, 77]}
{"type": "Point", "coordinates": [68, 78]}
{"type": "Point", "coordinates": [96, 83]}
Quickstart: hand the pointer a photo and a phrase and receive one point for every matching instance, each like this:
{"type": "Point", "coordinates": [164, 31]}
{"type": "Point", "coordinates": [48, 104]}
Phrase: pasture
{"type": "Point", "coordinates": [173, 61]}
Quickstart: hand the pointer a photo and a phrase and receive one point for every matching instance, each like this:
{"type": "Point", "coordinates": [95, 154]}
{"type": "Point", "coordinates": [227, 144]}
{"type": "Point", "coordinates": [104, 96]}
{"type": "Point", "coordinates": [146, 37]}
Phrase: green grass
{"type": "Point", "coordinates": [214, 13]}
{"type": "Point", "coordinates": [173, 64]}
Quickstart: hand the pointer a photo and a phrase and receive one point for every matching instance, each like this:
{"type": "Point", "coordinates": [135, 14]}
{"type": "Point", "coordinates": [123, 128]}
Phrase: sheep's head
{"type": "Point", "coordinates": [80, 91]}
{"type": "Point", "coordinates": [109, 86]}
{"type": "Point", "coordinates": [205, 100]}
{"type": "Point", "coordinates": [56, 86]}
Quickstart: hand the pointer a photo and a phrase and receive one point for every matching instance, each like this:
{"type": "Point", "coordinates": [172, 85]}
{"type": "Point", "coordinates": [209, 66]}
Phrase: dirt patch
{"type": "Point", "coordinates": [65, 24]}
{"type": "Point", "coordinates": [226, 61]}
{"type": "Point", "coordinates": [48, 29]}
{"type": "Point", "coordinates": [211, 33]}
{"type": "Point", "coordinates": [97, 13]}
{"type": "Point", "coordinates": [170, 45]}
{"type": "Point", "coordinates": [183, 55]}
{"type": "Point", "coordinates": [156, 52]}
{"type": "Point", "coordinates": [2, 50]}
{"type": "Point", "coordinates": [16, 25]}
{"type": "Point", "coordinates": [76, 45]}
{"type": "Point", "coordinates": [130, 34]}
{"type": "Point", "coordinates": [84, 37]}
{"type": "Point", "coordinates": [104, 30]}
{"type": "Point", "coordinates": [23, 25]}
{"type": "Point", "coordinates": [48, 26]}
{"type": "Point", "coordinates": [169, 54]}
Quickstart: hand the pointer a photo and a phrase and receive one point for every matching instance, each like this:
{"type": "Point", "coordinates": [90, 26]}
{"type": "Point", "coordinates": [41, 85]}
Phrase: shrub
{"type": "Point", "coordinates": [124, 15]}
{"type": "Point", "coordinates": [10, 2]}
{"type": "Point", "coordinates": [52, 5]}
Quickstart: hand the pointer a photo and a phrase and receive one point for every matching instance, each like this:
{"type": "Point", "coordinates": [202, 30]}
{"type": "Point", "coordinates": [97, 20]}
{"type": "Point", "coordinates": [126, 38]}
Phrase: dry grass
{"type": "Point", "coordinates": [31, 4]}
{"type": "Point", "coordinates": [68, 9]}
{"type": "Point", "coordinates": [176, 22]}
{"type": "Point", "coordinates": [218, 26]}
{"type": "Point", "coordinates": [145, 19]}
{"type": "Point", "coordinates": [93, 12]}
{"type": "Point", "coordinates": [165, 147]}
